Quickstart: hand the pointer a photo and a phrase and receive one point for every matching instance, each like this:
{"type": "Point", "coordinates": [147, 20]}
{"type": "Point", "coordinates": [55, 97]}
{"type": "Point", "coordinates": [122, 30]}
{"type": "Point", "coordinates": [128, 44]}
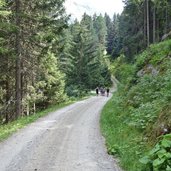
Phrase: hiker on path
{"type": "Point", "coordinates": [97, 91]}
{"type": "Point", "coordinates": [107, 90]}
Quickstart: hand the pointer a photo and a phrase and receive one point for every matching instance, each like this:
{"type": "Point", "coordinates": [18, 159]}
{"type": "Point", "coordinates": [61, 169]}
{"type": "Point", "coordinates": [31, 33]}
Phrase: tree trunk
{"type": "Point", "coordinates": [145, 24]}
{"type": "Point", "coordinates": [23, 82]}
{"type": "Point", "coordinates": [157, 36]}
{"type": "Point", "coordinates": [154, 24]}
{"type": "Point", "coordinates": [7, 88]}
{"type": "Point", "coordinates": [166, 21]}
{"type": "Point", "coordinates": [7, 100]}
{"type": "Point", "coordinates": [18, 59]}
{"type": "Point", "coordinates": [34, 108]}
{"type": "Point", "coordinates": [28, 109]}
{"type": "Point", "coordinates": [148, 26]}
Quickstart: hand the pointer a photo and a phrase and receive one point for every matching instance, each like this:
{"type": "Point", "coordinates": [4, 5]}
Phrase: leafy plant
{"type": "Point", "coordinates": [159, 158]}
{"type": "Point", "coordinates": [115, 150]}
{"type": "Point", "coordinates": [145, 114]}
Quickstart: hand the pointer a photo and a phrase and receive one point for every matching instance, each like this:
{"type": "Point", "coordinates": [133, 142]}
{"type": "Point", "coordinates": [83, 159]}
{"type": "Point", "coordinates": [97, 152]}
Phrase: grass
{"type": "Point", "coordinates": [123, 141]}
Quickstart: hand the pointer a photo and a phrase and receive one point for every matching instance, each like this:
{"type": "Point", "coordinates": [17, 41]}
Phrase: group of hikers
{"type": "Point", "coordinates": [102, 91]}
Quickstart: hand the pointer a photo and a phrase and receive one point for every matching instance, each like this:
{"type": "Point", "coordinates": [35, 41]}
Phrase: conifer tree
{"type": "Point", "coordinates": [32, 37]}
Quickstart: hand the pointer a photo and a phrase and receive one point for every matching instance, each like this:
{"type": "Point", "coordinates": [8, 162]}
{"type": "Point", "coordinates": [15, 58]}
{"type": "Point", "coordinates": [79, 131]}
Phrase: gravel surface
{"type": "Point", "coordinates": [66, 140]}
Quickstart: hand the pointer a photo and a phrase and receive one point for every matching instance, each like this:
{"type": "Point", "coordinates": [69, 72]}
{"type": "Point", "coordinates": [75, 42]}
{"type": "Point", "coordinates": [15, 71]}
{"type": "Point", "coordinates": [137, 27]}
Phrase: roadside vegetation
{"type": "Point", "coordinates": [136, 122]}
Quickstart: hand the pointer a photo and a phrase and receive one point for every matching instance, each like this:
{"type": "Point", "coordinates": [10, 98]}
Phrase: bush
{"type": "Point", "coordinates": [76, 91]}
{"type": "Point", "coordinates": [159, 158]}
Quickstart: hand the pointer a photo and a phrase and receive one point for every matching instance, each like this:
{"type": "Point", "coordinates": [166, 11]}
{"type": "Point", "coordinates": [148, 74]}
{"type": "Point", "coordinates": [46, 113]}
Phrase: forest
{"type": "Point", "coordinates": [46, 59]}
{"type": "Point", "coordinates": [139, 112]}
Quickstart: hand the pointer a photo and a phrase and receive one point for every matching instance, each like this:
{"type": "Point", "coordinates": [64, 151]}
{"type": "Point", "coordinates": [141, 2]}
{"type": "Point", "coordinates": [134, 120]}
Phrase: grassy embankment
{"type": "Point", "coordinates": [132, 121]}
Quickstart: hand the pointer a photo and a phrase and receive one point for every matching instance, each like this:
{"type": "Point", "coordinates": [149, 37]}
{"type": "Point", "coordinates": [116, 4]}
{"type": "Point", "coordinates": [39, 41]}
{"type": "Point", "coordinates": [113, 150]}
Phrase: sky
{"type": "Point", "coordinates": [77, 7]}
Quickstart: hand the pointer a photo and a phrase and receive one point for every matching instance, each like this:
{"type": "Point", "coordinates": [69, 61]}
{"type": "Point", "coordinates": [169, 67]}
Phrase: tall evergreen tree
{"type": "Point", "coordinates": [101, 30]}
{"type": "Point", "coordinates": [114, 45]}
{"type": "Point", "coordinates": [32, 37]}
{"type": "Point", "coordinates": [83, 60]}
{"type": "Point", "coordinates": [142, 23]}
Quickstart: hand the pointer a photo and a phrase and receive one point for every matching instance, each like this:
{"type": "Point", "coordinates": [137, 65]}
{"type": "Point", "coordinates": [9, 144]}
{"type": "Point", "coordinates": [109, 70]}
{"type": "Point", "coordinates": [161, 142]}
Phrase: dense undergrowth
{"type": "Point", "coordinates": [139, 113]}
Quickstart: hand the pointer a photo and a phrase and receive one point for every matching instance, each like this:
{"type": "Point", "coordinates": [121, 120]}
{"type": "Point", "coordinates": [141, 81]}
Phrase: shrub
{"type": "Point", "coordinates": [159, 158]}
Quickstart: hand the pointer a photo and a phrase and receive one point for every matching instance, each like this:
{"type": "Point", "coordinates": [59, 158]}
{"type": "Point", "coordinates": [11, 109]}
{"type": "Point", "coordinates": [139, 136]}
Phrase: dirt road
{"type": "Point", "coordinates": [66, 140]}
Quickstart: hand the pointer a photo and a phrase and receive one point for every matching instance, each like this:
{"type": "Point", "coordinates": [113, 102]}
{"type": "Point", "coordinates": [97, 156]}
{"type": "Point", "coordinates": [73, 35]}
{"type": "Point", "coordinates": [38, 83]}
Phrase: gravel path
{"type": "Point", "coordinates": [66, 140]}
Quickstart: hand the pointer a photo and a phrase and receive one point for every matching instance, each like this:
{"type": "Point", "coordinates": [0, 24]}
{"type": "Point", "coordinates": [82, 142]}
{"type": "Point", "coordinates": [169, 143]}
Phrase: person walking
{"type": "Point", "coordinates": [97, 91]}
{"type": "Point", "coordinates": [107, 91]}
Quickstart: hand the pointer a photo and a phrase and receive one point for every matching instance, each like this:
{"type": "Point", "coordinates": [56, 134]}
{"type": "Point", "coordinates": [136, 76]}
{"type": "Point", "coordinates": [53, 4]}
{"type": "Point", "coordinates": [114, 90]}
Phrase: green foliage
{"type": "Point", "coordinates": [122, 140]}
{"type": "Point", "coordinates": [101, 30]}
{"type": "Point", "coordinates": [123, 71]}
{"type": "Point", "coordinates": [144, 115]}
{"type": "Point", "coordinates": [30, 35]}
{"type": "Point", "coordinates": [83, 59]}
{"type": "Point", "coordinates": [52, 80]}
{"type": "Point", "coordinates": [159, 158]}
{"type": "Point", "coordinates": [76, 91]}
{"type": "Point", "coordinates": [114, 150]}
{"type": "Point", "coordinates": [113, 36]}
{"type": "Point", "coordinates": [135, 29]}
{"type": "Point", "coordinates": [138, 110]}
{"type": "Point", "coordinates": [156, 54]}
{"type": "Point", "coordinates": [3, 11]}
{"type": "Point", "coordinates": [144, 97]}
